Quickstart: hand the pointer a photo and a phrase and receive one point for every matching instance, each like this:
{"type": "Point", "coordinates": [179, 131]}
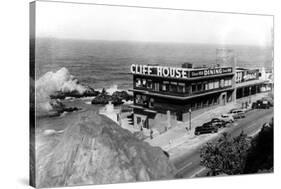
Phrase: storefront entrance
{"type": "Point", "coordinates": [223, 98]}
{"type": "Point", "coordinates": [141, 121]}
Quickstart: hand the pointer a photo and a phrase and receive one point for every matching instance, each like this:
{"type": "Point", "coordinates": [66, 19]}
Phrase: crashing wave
{"type": "Point", "coordinates": [59, 84]}
{"type": "Point", "coordinates": [112, 89]}
{"type": "Point", "coordinates": [61, 80]}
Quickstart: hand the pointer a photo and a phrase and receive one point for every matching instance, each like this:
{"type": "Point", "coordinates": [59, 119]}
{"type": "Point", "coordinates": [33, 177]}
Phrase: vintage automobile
{"type": "Point", "coordinates": [269, 100]}
{"type": "Point", "coordinates": [227, 118]}
{"type": "Point", "coordinates": [261, 104]}
{"type": "Point", "coordinates": [218, 122]}
{"type": "Point", "coordinates": [206, 128]}
{"type": "Point", "coordinates": [237, 113]}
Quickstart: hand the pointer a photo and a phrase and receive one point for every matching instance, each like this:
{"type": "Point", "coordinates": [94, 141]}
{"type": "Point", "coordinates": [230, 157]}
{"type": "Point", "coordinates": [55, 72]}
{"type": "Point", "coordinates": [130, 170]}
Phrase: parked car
{"type": "Point", "coordinates": [261, 104]}
{"type": "Point", "coordinates": [237, 113]}
{"type": "Point", "coordinates": [218, 122]}
{"type": "Point", "coordinates": [206, 128]}
{"type": "Point", "coordinates": [269, 100]}
{"type": "Point", "coordinates": [227, 118]}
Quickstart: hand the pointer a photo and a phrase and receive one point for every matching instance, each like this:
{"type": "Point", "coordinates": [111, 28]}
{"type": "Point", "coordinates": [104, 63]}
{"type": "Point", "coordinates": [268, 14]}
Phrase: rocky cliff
{"type": "Point", "coordinates": [95, 150]}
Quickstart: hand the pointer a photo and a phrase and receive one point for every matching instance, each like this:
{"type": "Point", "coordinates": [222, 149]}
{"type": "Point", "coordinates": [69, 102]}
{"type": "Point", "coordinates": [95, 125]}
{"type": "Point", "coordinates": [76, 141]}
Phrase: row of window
{"type": "Point", "coordinates": [180, 87]}
{"type": "Point", "coordinates": [214, 84]}
{"type": "Point", "coordinates": [144, 100]}
{"type": "Point", "coordinates": [149, 102]}
{"type": "Point", "coordinates": [208, 102]}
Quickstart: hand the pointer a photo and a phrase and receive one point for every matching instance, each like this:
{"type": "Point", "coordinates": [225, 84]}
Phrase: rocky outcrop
{"type": "Point", "coordinates": [123, 95]}
{"type": "Point", "coordinates": [89, 92]}
{"type": "Point", "coordinates": [57, 109]}
{"type": "Point", "coordinates": [105, 99]}
{"type": "Point", "coordinates": [116, 98]}
{"type": "Point", "coordinates": [97, 151]}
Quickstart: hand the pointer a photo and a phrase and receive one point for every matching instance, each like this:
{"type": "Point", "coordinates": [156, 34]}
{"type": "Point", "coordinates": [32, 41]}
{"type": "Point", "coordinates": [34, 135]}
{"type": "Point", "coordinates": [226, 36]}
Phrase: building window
{"type": "Point", "coordinates": [138, 99]}
{"type": "Point", "coordinates": [227, 82]}
{"type": "Point", "coordinates": [181, 87]}
{"type": "Point", "coordinates": [211, 85]}
{"type": "Point", "coordinates": [222, 83]}
{"type": "Point", "coordinates": [199, 87]}
{"type": "Point", "coordinates": [149, 84]}
{"type": "Point", "coordinates": [205, 86]}
{"type": "Point", "coordinates": [144, 99]}
{"type": "Point", "coordinates": [144, 83]}
{"type": "Point", "coordinates": [193, 88]}
{"type": "Point", "coordinates": [151, 102]}
{"type": "Point", "coordinates": [165, 85]}
{"type": "Point", "coordinates": [216, 84]}
{"type": "Point", "coordinates": [141, 99]}
{"type": "Point", "coordinates": [173, 87]}
{"type": "Point", "coordinates": [138, 82]}
{"type": "Point", "coordinates": [156, 86]}
{"type": "Point", "coordinates": [187, 89]}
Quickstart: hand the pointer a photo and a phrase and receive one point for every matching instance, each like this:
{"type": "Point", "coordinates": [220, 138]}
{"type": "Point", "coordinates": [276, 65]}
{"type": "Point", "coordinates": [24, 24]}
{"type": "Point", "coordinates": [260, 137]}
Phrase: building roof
{"type": "Point", "coordinates": [189, 78]}
{"type": "Point", "coordinates": [250, 83]}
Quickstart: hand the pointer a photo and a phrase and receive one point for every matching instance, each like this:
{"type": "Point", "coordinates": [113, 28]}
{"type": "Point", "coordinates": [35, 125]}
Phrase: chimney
{"type": "Point", "coordinates": [187, 65]}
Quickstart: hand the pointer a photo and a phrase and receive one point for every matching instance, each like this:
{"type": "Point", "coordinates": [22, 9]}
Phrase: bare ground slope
{"type": "Point", "coordinates": [94, 150]}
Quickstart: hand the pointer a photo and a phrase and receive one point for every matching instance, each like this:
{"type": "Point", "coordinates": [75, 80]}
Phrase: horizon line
{"type": "Point", "coordinates": [269, 45]}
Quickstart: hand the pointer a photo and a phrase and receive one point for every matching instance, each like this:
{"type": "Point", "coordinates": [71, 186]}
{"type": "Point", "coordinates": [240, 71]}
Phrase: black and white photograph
{"type": "Point", "coordinates": [122, 94]}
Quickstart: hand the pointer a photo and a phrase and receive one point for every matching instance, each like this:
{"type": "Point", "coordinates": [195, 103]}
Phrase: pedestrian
{"type": "Point", "coordinates": [151, 134]}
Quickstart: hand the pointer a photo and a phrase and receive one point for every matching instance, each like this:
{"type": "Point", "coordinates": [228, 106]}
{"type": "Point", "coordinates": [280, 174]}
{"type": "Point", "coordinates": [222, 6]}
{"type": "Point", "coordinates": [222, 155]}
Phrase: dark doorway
{"type": "Point", "coordinates": [179, 116]}
{"type": "Point", "coordinates": [223, 98]}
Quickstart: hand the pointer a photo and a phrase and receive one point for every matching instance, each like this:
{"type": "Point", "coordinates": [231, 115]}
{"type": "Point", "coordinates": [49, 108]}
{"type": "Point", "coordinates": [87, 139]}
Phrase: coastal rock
{"type": "Point", "coordinates": [116, 98]}
{"type": "Point", "coordinates": [105, 99]}
{"type": "Point", "coordinates": [95, 150]}
{"type": "Point", "coordinates": [75, 94]}
{"type": "Point", "coordinates": [57, 108]}
{"type": "Point", "coordinates": [123, 95]}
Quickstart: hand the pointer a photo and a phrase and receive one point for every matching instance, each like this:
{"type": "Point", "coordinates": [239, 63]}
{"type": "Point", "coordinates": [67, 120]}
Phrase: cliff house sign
{"type": "Point", "coordinates": [177, 72]}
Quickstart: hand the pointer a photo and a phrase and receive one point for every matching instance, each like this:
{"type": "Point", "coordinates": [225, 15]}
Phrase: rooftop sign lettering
{"type": "Point", "coordinates": [174, 72]}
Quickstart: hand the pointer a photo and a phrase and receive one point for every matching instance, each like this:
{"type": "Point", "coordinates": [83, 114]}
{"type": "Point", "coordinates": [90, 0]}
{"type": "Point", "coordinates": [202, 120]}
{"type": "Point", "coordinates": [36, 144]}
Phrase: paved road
{"type": "Point", "coordinates": [188, 164]}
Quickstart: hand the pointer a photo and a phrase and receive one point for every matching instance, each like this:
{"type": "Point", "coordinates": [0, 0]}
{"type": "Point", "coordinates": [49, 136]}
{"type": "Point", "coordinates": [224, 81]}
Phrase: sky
{"type": "Point", "coordinates": [99, 22]}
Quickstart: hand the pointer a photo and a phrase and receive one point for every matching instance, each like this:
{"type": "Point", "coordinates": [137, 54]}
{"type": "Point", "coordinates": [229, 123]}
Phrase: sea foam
{"type": "Point", "coordinates": [51, 82]}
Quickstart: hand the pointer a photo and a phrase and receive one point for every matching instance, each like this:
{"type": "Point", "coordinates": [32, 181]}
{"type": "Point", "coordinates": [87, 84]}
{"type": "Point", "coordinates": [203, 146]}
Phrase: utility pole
{"type": "Point", "coordinates": [189, 118]}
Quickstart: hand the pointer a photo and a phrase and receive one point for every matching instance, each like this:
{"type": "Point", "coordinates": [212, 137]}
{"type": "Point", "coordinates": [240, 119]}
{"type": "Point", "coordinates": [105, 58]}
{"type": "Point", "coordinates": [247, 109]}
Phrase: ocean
{"type": "Point", "coordinates": [102, 64]}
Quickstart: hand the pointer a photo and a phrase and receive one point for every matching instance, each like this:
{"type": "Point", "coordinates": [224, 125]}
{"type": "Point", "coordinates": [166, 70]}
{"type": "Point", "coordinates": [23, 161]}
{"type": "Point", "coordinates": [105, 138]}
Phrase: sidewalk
{"type": "Point", "coordinates": [178, 135]}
